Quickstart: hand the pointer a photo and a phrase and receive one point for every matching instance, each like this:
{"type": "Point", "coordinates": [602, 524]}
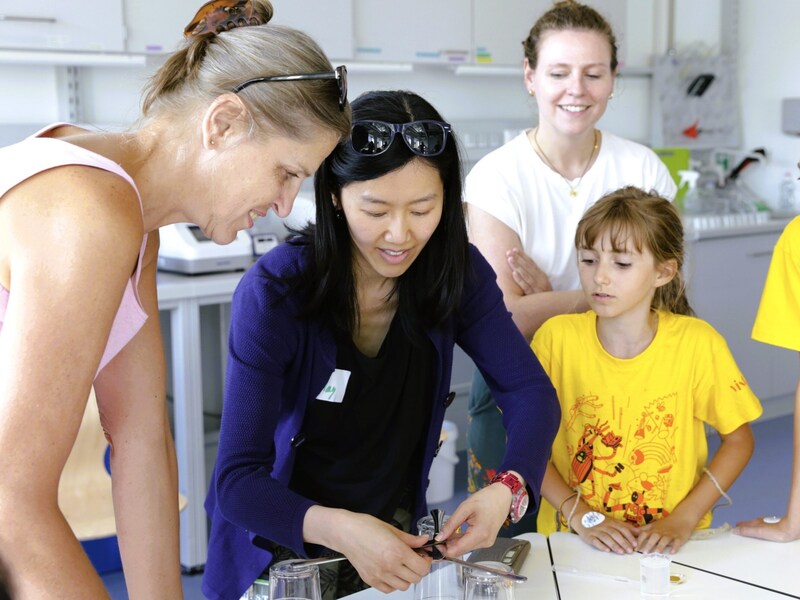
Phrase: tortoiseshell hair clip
{"type": "Point", "coordinates": [218, 16]}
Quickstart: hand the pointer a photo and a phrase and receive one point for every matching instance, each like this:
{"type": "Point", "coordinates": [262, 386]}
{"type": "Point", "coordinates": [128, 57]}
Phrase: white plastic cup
{"type": "Point", "coordinates": [654, 575]}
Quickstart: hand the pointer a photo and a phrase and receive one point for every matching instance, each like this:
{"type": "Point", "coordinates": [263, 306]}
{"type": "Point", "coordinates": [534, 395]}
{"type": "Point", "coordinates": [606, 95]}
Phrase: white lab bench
{"type": "Point", "coordinates": [726, 566]}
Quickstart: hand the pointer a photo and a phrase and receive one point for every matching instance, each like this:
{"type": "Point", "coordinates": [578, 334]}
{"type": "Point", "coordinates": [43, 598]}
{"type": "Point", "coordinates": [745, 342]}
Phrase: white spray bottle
{"type": "Point", "coordinates": [692, 202]}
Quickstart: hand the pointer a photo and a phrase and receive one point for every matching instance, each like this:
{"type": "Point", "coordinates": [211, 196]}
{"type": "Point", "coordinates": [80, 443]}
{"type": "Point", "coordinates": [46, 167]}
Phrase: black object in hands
{"type": "Point", "coordinates": [438, 520]}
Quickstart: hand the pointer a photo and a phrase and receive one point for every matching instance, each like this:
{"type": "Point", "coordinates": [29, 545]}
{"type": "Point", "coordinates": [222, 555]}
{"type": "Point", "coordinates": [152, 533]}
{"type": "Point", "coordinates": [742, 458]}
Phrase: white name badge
{"type": "Point", "coordinates": [335, 388]}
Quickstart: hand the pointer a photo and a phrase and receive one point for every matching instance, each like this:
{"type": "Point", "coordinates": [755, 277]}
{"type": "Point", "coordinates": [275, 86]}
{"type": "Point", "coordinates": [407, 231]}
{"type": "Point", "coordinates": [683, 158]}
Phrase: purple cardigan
{"type": "Point", "coordinates": [277, 363]}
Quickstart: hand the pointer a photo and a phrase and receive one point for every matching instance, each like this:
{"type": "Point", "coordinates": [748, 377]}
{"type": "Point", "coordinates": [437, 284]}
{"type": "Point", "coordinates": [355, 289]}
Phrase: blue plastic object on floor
{"type": "Point", "coordinates": [104, 554]}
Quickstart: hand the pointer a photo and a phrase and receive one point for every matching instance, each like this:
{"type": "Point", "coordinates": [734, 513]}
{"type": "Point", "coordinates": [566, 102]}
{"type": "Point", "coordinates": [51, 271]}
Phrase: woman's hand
{"type": "Point", "coordinates": [529, 277]}
{"type": "Point", "coordinates": [610, 535]}
{"type": "Point", "coordinates": [782, 531]}
{"type": "Point", "coordinates": [484, 512]}
{"type": "Point", "coordinates": [383, 555]}
{"type": "Point", "coordinates": [670, 532]}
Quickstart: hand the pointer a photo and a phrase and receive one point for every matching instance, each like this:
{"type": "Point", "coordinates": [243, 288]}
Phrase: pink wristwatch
{"type": "Point", "coordinates": [519, 495]}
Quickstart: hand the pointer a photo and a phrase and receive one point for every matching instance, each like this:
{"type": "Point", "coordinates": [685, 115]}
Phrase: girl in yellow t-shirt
{"type": "Point", "coordinates": [778, 323]}
{"type": "Point", "coordinates": [638, 376]}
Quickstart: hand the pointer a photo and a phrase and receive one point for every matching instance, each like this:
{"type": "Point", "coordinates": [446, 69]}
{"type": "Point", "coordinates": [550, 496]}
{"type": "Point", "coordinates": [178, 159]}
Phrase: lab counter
{"type": "Point", "coordinates": [711, 228]}
{"type": "Point", "coordinates": [562, 566]}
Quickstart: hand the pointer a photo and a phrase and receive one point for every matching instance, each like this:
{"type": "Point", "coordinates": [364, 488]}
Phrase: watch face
{"type": "Point", "coordinates": [519, 506]}
{"type": "Point", "coordinates": [523, 505]}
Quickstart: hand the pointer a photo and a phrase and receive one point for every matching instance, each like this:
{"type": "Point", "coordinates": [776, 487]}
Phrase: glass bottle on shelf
{"type": "Point", "coordinates": [786, 200]}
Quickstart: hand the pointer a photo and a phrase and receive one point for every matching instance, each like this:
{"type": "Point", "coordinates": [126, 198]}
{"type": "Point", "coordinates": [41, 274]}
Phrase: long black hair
{"type": "Point", "coordinates": [430, 290]}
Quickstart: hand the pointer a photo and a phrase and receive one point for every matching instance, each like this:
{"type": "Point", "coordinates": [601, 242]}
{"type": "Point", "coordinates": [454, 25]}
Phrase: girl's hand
{"type": "Point", "coordinates": [484, 512]}
{"type": "Point", "coordinates": [383, 555]}
{"type": "Point", "coordinates": [611, 535]}
{"type": "Point", "coordinates": [669, 532]}
{"type": "Point", "coordinates": [529, 277]}
{"type": "Point", "coordinates": [782, 531]}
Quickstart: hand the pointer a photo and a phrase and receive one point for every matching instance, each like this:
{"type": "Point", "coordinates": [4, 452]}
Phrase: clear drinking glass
{"type": "Point", "coordinates": [441, 583]}
{"type": "Point", "coordinates": [480, 585]}
{"type": "Point", "coordinates": [290, 581]}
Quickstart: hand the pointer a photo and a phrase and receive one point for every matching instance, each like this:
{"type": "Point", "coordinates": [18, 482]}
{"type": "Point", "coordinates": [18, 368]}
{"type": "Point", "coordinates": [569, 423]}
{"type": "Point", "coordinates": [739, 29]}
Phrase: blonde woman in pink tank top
{"type": "Point", "coordinates": [224, 137]}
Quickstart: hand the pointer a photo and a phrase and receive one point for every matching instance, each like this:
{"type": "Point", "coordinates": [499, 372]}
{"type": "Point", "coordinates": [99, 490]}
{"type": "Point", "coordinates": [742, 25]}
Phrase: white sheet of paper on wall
{"type": "Point", "coordinates": [698, 120]}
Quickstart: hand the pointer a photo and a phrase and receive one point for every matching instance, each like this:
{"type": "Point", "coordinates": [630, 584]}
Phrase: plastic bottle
{"type": "Point", "coordinates": [692, 201]}
{"type": "Point", "coordinates": [787, 189]}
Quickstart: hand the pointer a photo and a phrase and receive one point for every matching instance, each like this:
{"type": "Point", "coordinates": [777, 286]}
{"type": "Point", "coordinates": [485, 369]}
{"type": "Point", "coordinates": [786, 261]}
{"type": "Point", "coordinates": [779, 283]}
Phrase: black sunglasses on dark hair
{"type": "Point", "coordinates": [423, 138]}
{"type": "Point", "coordinates": [339, 74]}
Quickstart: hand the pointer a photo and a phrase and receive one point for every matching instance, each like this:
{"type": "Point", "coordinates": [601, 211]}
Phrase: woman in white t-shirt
{"type": "Point", "coordinates": [524, 200]}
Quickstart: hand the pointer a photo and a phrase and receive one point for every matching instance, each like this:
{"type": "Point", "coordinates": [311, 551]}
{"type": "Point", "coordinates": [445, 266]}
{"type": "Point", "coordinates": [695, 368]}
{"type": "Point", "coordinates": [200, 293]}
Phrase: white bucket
{"type": "Point", "coordinates": [443, 469]}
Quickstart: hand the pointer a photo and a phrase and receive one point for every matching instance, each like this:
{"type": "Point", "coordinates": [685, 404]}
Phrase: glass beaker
{"type": "Point", "coordinates": [480, 585]}
{"type": "Point", "coordinates": [441, 583]}
{"type": "Point", "coordinates": [290, 581]}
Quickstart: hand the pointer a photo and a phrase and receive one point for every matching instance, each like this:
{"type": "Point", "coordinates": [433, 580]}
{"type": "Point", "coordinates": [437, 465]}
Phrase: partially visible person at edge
{"type": "Point", "coordinates": [524, 199]}
{"type": "Point", "coordinates": [778, 323]}
{"type": "Point", "coordinates": [629, 469]}
{"type": "Point", "coordinates": [338, 378]}
{"type": "Point", "coordinates": [79, 218]}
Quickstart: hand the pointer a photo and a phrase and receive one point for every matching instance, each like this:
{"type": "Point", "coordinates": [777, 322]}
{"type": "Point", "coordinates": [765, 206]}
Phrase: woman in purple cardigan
{"type": "Point", "coordinates": [340, 356]}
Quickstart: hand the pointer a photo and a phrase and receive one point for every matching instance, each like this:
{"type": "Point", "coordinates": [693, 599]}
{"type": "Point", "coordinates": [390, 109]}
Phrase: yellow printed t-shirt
{"type": "Point", "coordinates": [778, 318]}
{"type": "Point", "coordinates": [632, 431]}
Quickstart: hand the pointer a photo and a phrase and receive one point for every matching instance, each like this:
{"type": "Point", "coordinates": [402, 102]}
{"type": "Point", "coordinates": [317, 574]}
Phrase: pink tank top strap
{"type": "Point", "coordinates": [36, 154]}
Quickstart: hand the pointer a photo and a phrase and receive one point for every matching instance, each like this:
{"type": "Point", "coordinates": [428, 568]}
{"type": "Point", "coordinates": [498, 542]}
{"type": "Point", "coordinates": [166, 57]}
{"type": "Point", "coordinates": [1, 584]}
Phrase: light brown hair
{"type": "Point", "coordinates": [568, 15]}
{"type": "Point", "coordinates": [630, 215]}
{"type": "Point", "coordinates": [209, 64]}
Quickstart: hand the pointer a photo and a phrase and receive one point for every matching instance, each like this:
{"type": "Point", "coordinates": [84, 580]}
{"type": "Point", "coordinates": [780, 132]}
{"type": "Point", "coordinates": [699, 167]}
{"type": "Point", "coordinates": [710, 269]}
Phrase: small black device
{"type": "Point", "coordinates": [509, 551]}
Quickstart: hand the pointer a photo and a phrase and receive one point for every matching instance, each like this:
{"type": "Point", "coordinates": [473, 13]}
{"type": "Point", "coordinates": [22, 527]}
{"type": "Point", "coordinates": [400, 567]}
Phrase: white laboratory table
{"type": "Point", "coordinates": [537, 568]}
{"type": "Point", "coordinates": [760, 563]}
{"type": "Point", "coordinates": [726, 566]}
{"type": "Point", "coordinates": [182, 296]}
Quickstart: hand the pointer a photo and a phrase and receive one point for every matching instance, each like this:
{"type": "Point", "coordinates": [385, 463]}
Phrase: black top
{"type": "Point", "coordinates": [363, 453]}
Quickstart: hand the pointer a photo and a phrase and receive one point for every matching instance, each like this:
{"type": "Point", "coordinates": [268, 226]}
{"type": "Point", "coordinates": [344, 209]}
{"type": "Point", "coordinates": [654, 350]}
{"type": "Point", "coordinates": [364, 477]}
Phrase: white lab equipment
{"type": "Point", "coordinates": [186, 249]}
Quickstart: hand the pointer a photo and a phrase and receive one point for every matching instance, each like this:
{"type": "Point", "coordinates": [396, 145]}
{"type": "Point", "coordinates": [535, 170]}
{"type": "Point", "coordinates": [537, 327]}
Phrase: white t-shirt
{"type": "Point", "coordinates": [514, 185]}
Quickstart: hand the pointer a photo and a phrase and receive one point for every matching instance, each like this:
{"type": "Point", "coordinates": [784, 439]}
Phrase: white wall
{"type": "Point", "coordinates": [769, 70]}
{"type": "Point", "coordinates": [110, 95]}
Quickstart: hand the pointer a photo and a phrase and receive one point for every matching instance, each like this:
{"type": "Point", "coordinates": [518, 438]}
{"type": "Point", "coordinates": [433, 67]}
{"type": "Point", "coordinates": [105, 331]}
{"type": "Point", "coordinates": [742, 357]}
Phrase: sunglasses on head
{"type": "Point", "coordinates": [222, 15]}
{"type": "Point", "coordinates": [339, 74]}
{"type": "Point", "coordinates": [423, 138]}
